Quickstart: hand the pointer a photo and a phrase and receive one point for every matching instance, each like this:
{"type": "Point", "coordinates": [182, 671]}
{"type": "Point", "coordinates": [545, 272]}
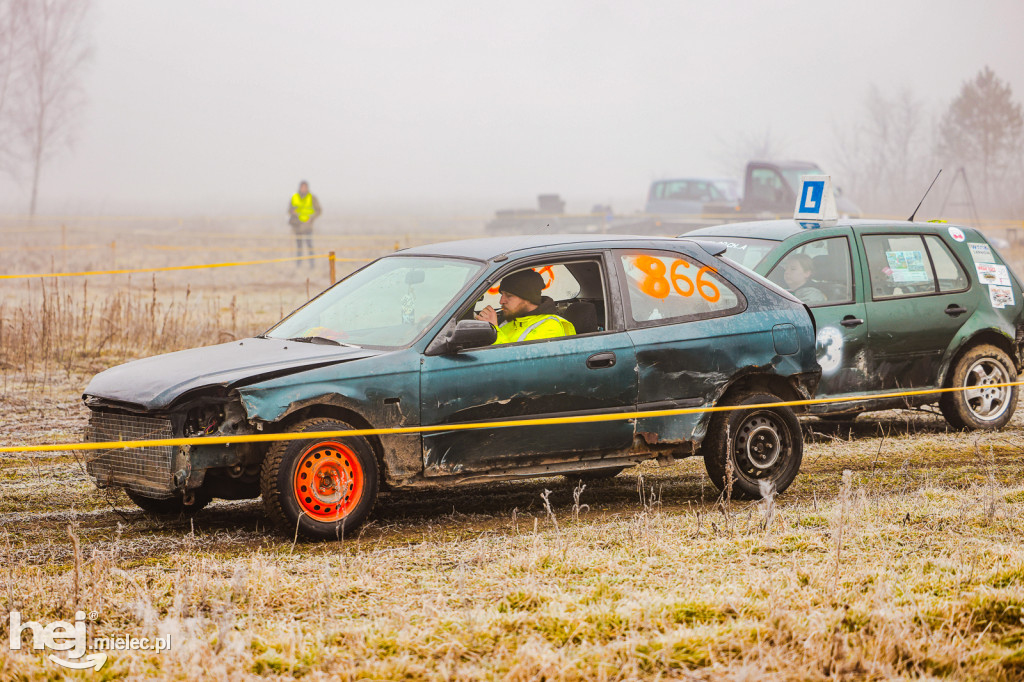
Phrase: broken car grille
{"type": "Point", "coordinates": [147, 470]}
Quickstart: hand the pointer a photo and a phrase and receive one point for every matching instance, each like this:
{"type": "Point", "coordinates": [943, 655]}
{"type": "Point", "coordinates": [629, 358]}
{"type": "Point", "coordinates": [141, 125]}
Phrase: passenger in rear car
{"type": "Point", "coordinates": [797, 273]}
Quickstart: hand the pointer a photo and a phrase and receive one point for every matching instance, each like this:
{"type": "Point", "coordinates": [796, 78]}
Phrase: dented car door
{"type": "Point", "coordinates": [575, 375]}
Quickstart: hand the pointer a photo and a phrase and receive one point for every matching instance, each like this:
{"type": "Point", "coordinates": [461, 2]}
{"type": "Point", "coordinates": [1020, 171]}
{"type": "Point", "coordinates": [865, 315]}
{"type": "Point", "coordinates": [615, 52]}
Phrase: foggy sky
{"type": "Point", "coordinates": [223, 106]}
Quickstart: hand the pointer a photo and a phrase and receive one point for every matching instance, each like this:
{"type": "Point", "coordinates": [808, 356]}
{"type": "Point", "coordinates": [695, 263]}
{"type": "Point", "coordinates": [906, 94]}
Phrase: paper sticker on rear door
{"type": "Point", "coordinates": [1000, 296]}
{"type": "Point", "coordinates": [981, 253]}
{"type": "Point", "coordinates": [990, 273]}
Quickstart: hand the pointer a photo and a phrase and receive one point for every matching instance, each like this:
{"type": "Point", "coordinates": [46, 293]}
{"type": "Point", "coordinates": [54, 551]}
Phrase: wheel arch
{"type": "Point", "coordinates": [763, 381]}
{"type": "Point", "coordinates": [767, 382]}
{"type": "Point", "coordinates": [985, 336]}
{"type": "Point", "coordinates": [349, 416]}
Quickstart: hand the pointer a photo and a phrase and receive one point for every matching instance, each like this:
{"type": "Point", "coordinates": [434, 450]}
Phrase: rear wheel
{"type": "Point", "coordinates": [981, 405]}
{"type": "Point", "coordinates": [763, 444]}
{"type": "Point", "coordinates": [171, 506]}
{"type": "Point", "coordinates": [324, 486]}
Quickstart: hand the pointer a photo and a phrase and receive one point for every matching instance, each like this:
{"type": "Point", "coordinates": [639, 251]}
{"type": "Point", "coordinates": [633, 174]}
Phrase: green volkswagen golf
{"type": "Point", "coordinates": [408, 341]}
{"type": "Point", "coordinates": [898, 306]}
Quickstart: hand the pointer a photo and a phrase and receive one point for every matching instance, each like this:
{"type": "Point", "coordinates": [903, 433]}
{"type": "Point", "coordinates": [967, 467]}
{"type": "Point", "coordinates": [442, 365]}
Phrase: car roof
{"type": "Point", "coordinates": [487, 248]}
{"type": "Point", "coordinates": [778, 230]}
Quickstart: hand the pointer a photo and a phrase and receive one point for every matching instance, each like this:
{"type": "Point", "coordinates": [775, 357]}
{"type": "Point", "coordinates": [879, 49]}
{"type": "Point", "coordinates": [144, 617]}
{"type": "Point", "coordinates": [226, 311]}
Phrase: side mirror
{"type": "Point", "coordinates": [470, 334]}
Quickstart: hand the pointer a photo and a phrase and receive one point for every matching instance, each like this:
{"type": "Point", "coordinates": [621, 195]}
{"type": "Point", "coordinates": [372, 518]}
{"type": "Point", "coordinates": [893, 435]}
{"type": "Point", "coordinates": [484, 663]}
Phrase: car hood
{"type": "Point", "coordinates": [156, 382]}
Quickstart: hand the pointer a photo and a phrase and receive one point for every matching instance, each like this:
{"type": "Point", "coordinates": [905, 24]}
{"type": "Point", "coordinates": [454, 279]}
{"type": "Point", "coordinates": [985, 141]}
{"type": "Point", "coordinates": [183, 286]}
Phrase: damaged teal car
{"type": "Point", "coordinates": [655, 324]}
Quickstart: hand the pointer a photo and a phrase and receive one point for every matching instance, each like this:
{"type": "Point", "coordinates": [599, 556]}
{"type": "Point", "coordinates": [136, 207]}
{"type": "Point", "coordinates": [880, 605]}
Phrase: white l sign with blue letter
{"type": "Point", "coordinates": [815, 201]}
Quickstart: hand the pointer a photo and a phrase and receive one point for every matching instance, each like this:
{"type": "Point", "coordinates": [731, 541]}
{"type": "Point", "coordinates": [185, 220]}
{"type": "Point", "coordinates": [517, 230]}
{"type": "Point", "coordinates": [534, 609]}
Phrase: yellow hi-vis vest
{"type": "Point", "coordinates": [303, 206]}
{"type": "Point", "coordinates": [533, 327]}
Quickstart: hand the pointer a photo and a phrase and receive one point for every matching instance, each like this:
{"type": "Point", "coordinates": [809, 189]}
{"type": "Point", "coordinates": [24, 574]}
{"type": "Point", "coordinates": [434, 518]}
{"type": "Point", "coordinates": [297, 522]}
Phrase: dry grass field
{"type": "Point", "coordinates": [896, 554]}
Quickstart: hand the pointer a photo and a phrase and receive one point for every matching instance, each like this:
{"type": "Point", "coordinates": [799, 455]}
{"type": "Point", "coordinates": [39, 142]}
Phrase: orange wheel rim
{"type": "Point", "coordinates": [328, 481]}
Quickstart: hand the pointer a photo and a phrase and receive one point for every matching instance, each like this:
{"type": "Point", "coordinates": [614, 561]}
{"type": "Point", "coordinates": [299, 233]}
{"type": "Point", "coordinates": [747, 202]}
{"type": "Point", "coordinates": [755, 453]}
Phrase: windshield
{"type": "Point", "coordinates": [387, 304]}
{"type": "Point", "coordinates": [746, 252]}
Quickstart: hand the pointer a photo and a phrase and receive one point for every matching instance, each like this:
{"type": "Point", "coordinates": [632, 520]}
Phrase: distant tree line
{"type": "Point", "coordinates": [44, 47]}
{"type": "Point", "coordinates": [888, 158]}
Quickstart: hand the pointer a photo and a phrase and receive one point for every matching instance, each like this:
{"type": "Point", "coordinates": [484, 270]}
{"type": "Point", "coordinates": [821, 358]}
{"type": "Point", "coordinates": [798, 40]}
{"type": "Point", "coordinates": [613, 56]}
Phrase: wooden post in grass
{"type": "Point", "coordinates": [330, 259]}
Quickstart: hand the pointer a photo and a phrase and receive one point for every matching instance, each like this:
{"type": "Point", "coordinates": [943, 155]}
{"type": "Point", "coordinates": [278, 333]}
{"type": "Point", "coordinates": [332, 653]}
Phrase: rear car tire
{"type": "Point", "coordinates": [980, 406]}
{"type": "Point", "coordinates": [172, 506]}
{"type": "Point", "coordinates": [765, 445]}
{"type": "Point", "coordinates": [325, 486]}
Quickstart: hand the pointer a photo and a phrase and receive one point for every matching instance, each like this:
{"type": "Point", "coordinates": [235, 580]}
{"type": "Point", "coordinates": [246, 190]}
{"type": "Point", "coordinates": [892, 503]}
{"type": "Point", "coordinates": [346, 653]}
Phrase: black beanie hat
{"type": "Point", "coordinates": [526, 284]}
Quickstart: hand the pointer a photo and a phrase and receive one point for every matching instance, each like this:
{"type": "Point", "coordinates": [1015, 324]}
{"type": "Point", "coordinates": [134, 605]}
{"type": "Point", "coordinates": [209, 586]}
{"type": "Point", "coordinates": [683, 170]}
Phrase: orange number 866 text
{"type": "Point", "coordinates": [656, 285]}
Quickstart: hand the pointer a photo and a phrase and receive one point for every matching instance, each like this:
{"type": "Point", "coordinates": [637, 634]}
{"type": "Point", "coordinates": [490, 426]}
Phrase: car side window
{"type": "Point", "coordinates": [665, 287]}
{"type": "Point", "coordinates": [898, 265]}
{"type": "Point", "coordinates": [947, 269]}
{"type": "Point", "coordinates": [572, 291]}
{"type": "Point", "coordinates": [818, 272]}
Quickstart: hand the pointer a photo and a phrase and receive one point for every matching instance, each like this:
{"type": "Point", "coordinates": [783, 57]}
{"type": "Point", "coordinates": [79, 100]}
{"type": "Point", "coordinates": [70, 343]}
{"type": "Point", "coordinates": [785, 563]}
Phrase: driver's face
{"type": "Point", "coordinates": [512, 304]}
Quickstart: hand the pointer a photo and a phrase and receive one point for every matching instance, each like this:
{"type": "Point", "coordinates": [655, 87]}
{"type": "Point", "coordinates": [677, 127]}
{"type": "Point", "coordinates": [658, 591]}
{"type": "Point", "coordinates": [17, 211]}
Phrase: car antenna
{"type": "Point", "coordinates": [911, 218]}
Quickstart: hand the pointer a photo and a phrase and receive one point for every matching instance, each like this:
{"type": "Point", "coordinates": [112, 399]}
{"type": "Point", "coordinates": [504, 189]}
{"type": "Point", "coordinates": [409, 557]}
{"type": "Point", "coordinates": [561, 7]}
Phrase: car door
{"type": "Point", "coordinates": [841, 318]}
{"type": "Point", "coordinates": [682, 319]}
{"type": "Point", "coordinates": [913, 315]}
{"type": "Point", "coordinates": [586, 374]}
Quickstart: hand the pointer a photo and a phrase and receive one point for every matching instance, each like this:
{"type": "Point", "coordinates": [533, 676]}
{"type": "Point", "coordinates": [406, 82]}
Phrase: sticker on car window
{"type": "Point", "coordinates": [1000, 296]}
{"type": "Point", "coordinates": [956, 233]}
{"type": "Point", "coordinates": [981, 253]}
{"type": "Point", "coordinates": [989, 273]}
{"type": "Point", "coordinates": [906, 266]}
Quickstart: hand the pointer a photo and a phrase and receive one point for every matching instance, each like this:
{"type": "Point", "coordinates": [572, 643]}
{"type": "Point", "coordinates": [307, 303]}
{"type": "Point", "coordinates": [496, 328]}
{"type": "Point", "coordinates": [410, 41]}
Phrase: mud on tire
{"type": "Point", "coordinates": [980, 406]}
{"type": "Point", "coordinates": [764, 445]}
{"type": "Point", "coordinates": [325, 486]}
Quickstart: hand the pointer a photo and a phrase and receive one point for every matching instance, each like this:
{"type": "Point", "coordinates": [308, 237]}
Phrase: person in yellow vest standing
{"type": "Point", "coordinates": [529, 315]}
{"type": "Point", "coordinates": [302, 211]}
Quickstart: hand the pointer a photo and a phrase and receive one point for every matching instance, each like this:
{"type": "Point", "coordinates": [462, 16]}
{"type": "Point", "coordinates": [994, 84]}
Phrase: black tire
{"type": "Point", "coordinates": [326, 486]}
{"type": "Point", "coordinates": [764, 444]}
{"type": "Point", "coordinates": [172, 506]}
{"type": "Point", "coordinates": [595, 474]}
{"type": "Point", "coordinates": [980, 407]}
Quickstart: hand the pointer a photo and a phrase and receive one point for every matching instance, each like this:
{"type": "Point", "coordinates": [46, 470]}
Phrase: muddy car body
{"type": "Point", "coordinates": [898, 306]}
{"type": "Point", "coordinates": [396, 344]}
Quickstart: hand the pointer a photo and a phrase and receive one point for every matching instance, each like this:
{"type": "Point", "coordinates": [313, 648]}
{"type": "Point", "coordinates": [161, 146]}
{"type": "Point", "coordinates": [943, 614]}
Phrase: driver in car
{"type": "Point", "coordinates": [528, 314]}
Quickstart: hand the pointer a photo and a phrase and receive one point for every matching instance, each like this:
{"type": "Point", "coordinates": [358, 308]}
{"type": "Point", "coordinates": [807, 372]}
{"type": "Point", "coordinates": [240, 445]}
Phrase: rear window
{"type": "Point", "coordinates": [747, 252]}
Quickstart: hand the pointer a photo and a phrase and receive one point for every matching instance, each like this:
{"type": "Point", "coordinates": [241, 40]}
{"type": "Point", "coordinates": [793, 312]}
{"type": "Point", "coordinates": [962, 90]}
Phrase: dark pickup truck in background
{"type": "Point", "coordinates": [676, 205]}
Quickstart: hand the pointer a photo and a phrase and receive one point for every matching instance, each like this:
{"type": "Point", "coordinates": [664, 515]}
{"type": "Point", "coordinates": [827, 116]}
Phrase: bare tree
{"type": "Point", "coordinates": [888, 152]}
{"type": "Point", "coordinates": [983, 130]}
{"type": "Point", "coordinates": [11, 64]}
{"type": "Point", "coordinates": [57, 47]}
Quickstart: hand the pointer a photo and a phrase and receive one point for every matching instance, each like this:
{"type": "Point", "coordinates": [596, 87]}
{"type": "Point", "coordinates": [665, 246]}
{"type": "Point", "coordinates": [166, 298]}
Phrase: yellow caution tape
{"type": "Point", "coordinates": [405, 430]}
{"type": "Point", "coordinates": [183, 267]}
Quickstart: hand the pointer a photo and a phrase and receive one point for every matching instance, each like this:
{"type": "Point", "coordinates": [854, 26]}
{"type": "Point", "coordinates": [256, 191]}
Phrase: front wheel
{"type": "Point", "coordinates": [326, 487]}
{"type": "Point", "coordinates": [764, 445]}
{"type": "Point", "coordinates": [982, 404]}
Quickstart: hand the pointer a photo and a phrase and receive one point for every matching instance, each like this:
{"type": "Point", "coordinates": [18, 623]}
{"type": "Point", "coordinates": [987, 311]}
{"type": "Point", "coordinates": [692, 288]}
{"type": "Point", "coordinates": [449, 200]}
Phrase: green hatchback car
{"type": "Point", "coordinates": [657, 324]}
{"type": "Point", "coordinates": [898, 306]}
